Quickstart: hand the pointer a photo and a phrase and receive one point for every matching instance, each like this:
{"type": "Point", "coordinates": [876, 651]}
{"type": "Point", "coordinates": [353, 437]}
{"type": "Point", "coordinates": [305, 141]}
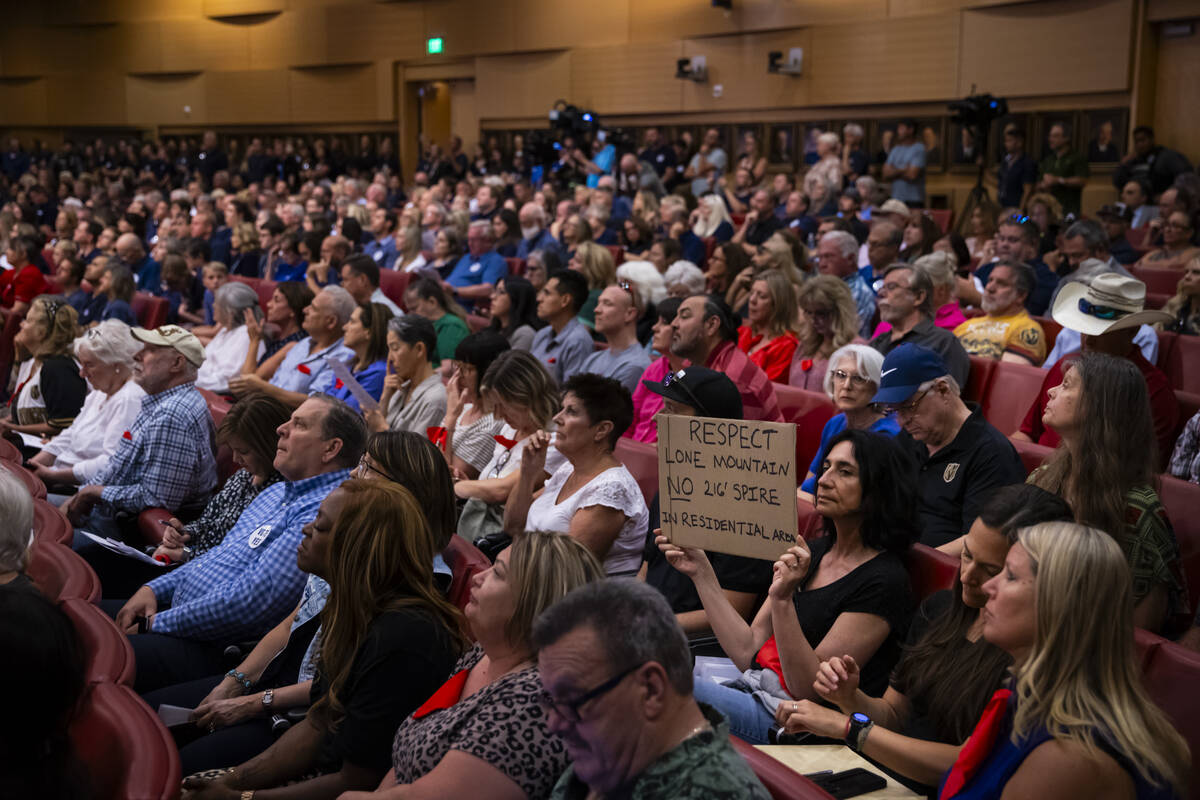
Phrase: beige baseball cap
{"type": "Point", "coordinates": [173, 336]}
{"type": "Point", "coordinates": [892, 206]}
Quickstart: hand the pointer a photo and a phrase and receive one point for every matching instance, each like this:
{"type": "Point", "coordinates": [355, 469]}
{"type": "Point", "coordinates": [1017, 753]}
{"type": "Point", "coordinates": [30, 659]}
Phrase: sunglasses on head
{"type": "Point", "coordinates": [1101, 312]}
{"type": "Point", "coordinates": [673, 378]}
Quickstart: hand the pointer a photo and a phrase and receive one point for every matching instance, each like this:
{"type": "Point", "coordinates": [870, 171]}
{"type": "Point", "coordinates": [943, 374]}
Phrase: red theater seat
{"type": "Point", "coordinates": [394, 284]}
{"type": "Point", "coordinates": [1050, 330]}
{"type": "Point", "coordinates": [979, 378]}
{"type": "Point", "coordinates": [109, 654]}
{"type": "Point", "coordinates": [465, 562]}
{"type": "Point", "coordinates": [929, 570]}
{"type": "Point", "coordinates": [128, 752]}
{"type": "Point", "coordinates": [942, 217]}
{"type": "Point", "coordinates": [7, 353]}
{"type": "Point", "coordinates": [9, 452]}
{"type": "Point", "coordinates": [641, 459]}
{"type": "Point", "coordinates": [809, 411]}
{"type": "Point", "coordinates": [50, 524]}
{"type": "Point", "coordinates": [32, 482]}
{"type": "Point", "coordinates": [1182, 363]}
{"type": "Point", "coordinates": [1032, 455]}
{"type": "Point", "coordinates": [516, 266]}
{"type": "Point", "coordinates": [1158, 281]}
{"type": "Point", "coordinates": [1181, 500]}
{"type": "Point", "coordinates": [61, 574]}
{"type": "Point", "coordinates": [780, 781]}
{"type": "Point", "coordinates": [1189, 404]}
{"type": "Point", "coordinates": [151, 311]}
{"type": "Point", "coordinates": [1144, 645]}
{"type": "Point", "coordinates": [1013, 389]}
{"type": "Point", "coordinates": [1171, 678]}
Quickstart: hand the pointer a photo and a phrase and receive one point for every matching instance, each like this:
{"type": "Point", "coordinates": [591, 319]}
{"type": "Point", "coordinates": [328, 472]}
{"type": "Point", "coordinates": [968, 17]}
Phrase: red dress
{"type": "Point", "coordinates": [776, 358]}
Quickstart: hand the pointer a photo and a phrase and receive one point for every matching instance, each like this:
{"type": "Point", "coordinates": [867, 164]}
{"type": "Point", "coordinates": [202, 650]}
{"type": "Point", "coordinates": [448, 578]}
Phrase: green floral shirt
{"type": "Point", "coordinates": [702, 767]}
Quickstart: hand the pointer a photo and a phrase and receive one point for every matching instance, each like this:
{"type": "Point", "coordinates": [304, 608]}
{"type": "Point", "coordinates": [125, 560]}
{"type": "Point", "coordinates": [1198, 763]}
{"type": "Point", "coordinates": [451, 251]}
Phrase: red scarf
{"type": "Point", "coordinates": [449, 694]}
{"type": "Point", "coordinates": [979, 746]}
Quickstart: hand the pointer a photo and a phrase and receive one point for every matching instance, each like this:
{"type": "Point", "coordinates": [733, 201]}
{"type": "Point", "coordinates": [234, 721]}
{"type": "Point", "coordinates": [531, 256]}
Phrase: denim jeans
{"type": "Point", "coordinates": [748, 719]}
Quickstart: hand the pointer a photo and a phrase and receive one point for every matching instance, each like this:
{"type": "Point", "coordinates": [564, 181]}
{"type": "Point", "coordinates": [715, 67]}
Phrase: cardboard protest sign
{"type": "Point", "coordinates": [728, 485]}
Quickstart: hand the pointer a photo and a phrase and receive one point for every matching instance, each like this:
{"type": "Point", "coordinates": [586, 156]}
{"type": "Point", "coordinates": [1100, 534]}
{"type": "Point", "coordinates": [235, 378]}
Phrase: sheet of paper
{"type": "Point", "coordinates": [173, 716]}
{"type": "Point", "coordinates": [122, 549]}
{"type": "Point", "coordinates": [365, 401]}
{"type": "Point", "coordinates": [31, 440]}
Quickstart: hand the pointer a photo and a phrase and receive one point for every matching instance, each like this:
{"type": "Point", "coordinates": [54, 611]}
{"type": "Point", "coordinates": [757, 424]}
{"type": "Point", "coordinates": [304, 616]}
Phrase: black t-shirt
{"type": "Point", "coordinates": [734, 573]}
{"type": "Point", "coordinates": [761, 229]}
{"type": "Point", "coordinates": [406, 655]}
{"type": "Point", "coordinates": [954, 482]}
{"type": "Point", "coordinates": [879, 586]}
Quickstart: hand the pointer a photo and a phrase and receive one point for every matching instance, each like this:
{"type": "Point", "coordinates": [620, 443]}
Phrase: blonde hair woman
{"type": "Point", "coordinates": [594, 262]}
{"type": "Point", "coordinates": [828, 322]}
{"type": "Point", "coordinates": [49, 392]}
{"type": "Point", "coordinates": [1075, 721]}
{"type": "Point", "coordinates": [711, 218]}
{"type": "Point", "coordinates": [767, 336]}
{"type": "Point", "coordinates": [774, 254]}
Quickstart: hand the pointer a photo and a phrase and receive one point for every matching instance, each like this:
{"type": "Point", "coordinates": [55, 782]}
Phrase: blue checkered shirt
{"type": "Point", "coordinates": [165, 459]}
{"type": "Point", "coordinates": [242, 588]}
{"type": "Point", "coordinates": [864, 302]}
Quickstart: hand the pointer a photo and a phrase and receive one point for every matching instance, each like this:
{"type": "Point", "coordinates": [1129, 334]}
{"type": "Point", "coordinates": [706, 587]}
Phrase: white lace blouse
{"type": "Point", "coordinates": [613, 488]}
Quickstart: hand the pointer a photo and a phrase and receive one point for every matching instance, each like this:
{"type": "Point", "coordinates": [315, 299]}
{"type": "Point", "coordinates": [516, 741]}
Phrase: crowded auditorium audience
{"type": "Point", "coordinates": [363, 464]}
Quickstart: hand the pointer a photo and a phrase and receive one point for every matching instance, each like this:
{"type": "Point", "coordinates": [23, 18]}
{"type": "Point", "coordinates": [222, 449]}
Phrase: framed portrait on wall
{"type": "Point", "coordinates": [781, 147]}
{"type": "Point", "coordinates": [748, 136]}
{"type": "Point", "coordinates": [1105, 131]}
{"type": "Point", "coordinates": [1046, 121]}
{"type": "Point", "coordinates": [931, 132]}
{"type": "Point", "coordinates": [808, 147]}
{"type": "Point", "coordinates": [880, 137]}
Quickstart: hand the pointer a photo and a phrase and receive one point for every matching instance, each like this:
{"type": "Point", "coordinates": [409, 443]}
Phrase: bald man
{"type": "Point", "coordinates": [146, 271]}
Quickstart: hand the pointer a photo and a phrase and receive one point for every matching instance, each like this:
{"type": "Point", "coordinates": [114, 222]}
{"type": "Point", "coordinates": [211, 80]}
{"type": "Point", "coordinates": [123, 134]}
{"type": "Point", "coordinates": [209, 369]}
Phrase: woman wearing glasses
{"type": "Point", "coordinates": [484, 732]}
{"type": "Point", "coordinates": [828, 322]}
{"type": "Point", "coordinates": [1176, 249]}
{"type": "Point", "coordinates": [850, 383]}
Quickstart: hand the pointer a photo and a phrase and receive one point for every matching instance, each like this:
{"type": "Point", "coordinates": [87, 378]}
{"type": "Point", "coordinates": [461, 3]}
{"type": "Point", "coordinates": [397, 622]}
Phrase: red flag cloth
{"type": "Point", "coordinates": [449, 694]}
{"type": "Point", "coordinates": [509, 444]}
{"type": "Point", "coordinates": [979, 745]}
{"type": "Point", "coordinates": [768, 657]}
{"type": "Point", "coordinates": [437, 435]}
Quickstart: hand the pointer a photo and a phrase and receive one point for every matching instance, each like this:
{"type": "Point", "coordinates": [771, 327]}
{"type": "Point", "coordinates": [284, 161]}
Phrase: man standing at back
{"type": "Point", "coordinates": [905, 166]}
{"type": "Point", "coordinates": [704, 333]}
{"type": "Point", "coordinates": [1064, 171]}
{"type": "Point", "coordinates": [243, 587]}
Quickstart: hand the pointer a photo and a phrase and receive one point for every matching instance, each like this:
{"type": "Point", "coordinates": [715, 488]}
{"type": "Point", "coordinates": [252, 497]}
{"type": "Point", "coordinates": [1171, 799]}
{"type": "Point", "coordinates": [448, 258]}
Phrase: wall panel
{"type": "Point", "coordinates": [382, 30]}
{"type": "Point", "coordinates": [627, 79]}
{"type": "Point", "coordinates": [521, 85]}
{"type": "Point", "coordinates": [239, 97]}
{"type": "Point", "coordinates": [332, 94]}
{"type": "Point", "coordinates": [1176, 112]}
{"type": "Point", "coordinates": [203, 44]}
{"type": "Point", "coordinates": [293, 38]}
{"type": "Point", "coordinates": [23, 101]}
{"type": "Point", "coordinates": [739, 65]}
{"type": "Point", "coordinates": [471, 28]}
{"type": "Point", "coordinates": [234, 8]}
{"type": "Point", "coordinates": [900, 60]}
{"type": "Point", "coordinates": [549, 24]}
{"type": "Point", "coordinates": [161, 99]}
{"type": "Point", "coordinates": [94, 98]}
{"type": "Point", "coordinates": [1056, 47]}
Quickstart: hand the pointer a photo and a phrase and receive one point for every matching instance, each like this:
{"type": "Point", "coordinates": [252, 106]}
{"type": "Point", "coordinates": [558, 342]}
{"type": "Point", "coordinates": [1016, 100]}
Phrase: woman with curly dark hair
{"type": "Point", "coordinates": [845, 593]}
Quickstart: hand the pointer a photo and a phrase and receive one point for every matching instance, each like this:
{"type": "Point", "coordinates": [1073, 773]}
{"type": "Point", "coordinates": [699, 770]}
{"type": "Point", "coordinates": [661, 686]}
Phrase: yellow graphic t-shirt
{"type": "Point", "coordinates": [992, 337]}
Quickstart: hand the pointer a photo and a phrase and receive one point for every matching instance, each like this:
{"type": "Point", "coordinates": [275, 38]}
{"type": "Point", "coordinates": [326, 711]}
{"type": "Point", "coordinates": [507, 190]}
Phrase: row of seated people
{"type": "Point", "coordinates": [864, 494]}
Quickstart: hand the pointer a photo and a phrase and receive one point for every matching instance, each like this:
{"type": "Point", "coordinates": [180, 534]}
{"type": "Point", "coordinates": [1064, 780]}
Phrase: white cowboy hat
{"type": "Point", "coordinates": [1112, 302]}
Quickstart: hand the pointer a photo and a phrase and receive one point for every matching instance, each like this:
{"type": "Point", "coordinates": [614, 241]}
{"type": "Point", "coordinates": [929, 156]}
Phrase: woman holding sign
{"type": "Point", "coordinates": [845, 593]}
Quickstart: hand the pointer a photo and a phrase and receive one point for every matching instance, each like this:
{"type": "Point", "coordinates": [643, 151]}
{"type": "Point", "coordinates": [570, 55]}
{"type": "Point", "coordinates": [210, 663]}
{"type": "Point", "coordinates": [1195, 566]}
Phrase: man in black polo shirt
{"type": "Point", "coordinates": [759, 224]}
{"type": "Point", "coordinates": [906, 304]}
{"type": "Point", "coordinates": [698, 391]}
{"type": "Point", "coordinates": [961, 457]}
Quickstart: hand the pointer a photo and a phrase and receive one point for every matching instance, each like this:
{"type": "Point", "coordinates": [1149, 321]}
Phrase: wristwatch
{"type": "Point", "coordinates": [268, 698]}
{"type": "Point", "coordinates": [856, 733]}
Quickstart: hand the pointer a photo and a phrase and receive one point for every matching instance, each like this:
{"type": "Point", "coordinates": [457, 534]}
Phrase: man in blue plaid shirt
{"type": "Point", "coordinates": [242, 588]}
{"type": "Point", "coordinates": [165, 459]}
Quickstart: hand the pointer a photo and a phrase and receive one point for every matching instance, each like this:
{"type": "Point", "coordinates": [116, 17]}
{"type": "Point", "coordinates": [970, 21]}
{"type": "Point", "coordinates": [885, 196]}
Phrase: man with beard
{"type": "Point", "coordinates": [1006, 332]}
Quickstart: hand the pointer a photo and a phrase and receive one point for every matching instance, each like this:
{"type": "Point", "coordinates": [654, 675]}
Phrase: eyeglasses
{"type": "Point", "coordinates": [906, 408]}
{"type": "Point", "coordinates": [365, 466]}
{"type": "Point", "coordinates": [672, 378]}
{"type": "Point", "coordinates": [1101, 312]}
{"type": "Point", "coordinates": [857, 381]}
{"type": "Point", "coordinates": [885, 288]}
{"type": "Point", "coordinates": [569, 709]}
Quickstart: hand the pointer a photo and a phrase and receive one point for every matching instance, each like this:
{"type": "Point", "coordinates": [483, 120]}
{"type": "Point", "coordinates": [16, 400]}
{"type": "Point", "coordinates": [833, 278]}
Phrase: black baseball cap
{"type": "Point", "coordinates": [710, 393]}
{"type": "Point", "coordinates": [1115, 211]}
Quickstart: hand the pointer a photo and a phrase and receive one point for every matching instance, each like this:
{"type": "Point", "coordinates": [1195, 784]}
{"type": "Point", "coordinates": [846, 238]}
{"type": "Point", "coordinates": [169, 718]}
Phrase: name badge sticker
{"type": "Point", "coordinates": [476, 267]}
{"type": "Point", "coordinates": [258, 536]}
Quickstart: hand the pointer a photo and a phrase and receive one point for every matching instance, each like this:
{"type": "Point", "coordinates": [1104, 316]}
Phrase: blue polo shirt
{"type": "Point", "coordinates": [148, 275]}
{"type": "Point", "coordinates": [543, 241]}
{"type": "Point", "coordinates": [290, 272]}
{"type": "Point", "coordinates": [383, 252]}
{"type": "Point", "coordinates": [489, 267]}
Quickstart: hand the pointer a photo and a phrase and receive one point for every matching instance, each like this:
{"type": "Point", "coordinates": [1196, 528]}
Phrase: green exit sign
{"type": "Point", "coordinates": [434, 46]}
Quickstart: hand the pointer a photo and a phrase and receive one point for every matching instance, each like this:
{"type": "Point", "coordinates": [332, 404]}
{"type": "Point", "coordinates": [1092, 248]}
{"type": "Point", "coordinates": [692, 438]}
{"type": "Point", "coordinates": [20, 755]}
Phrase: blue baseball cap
{"type": "Point", "coordinates": [904, 370]}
